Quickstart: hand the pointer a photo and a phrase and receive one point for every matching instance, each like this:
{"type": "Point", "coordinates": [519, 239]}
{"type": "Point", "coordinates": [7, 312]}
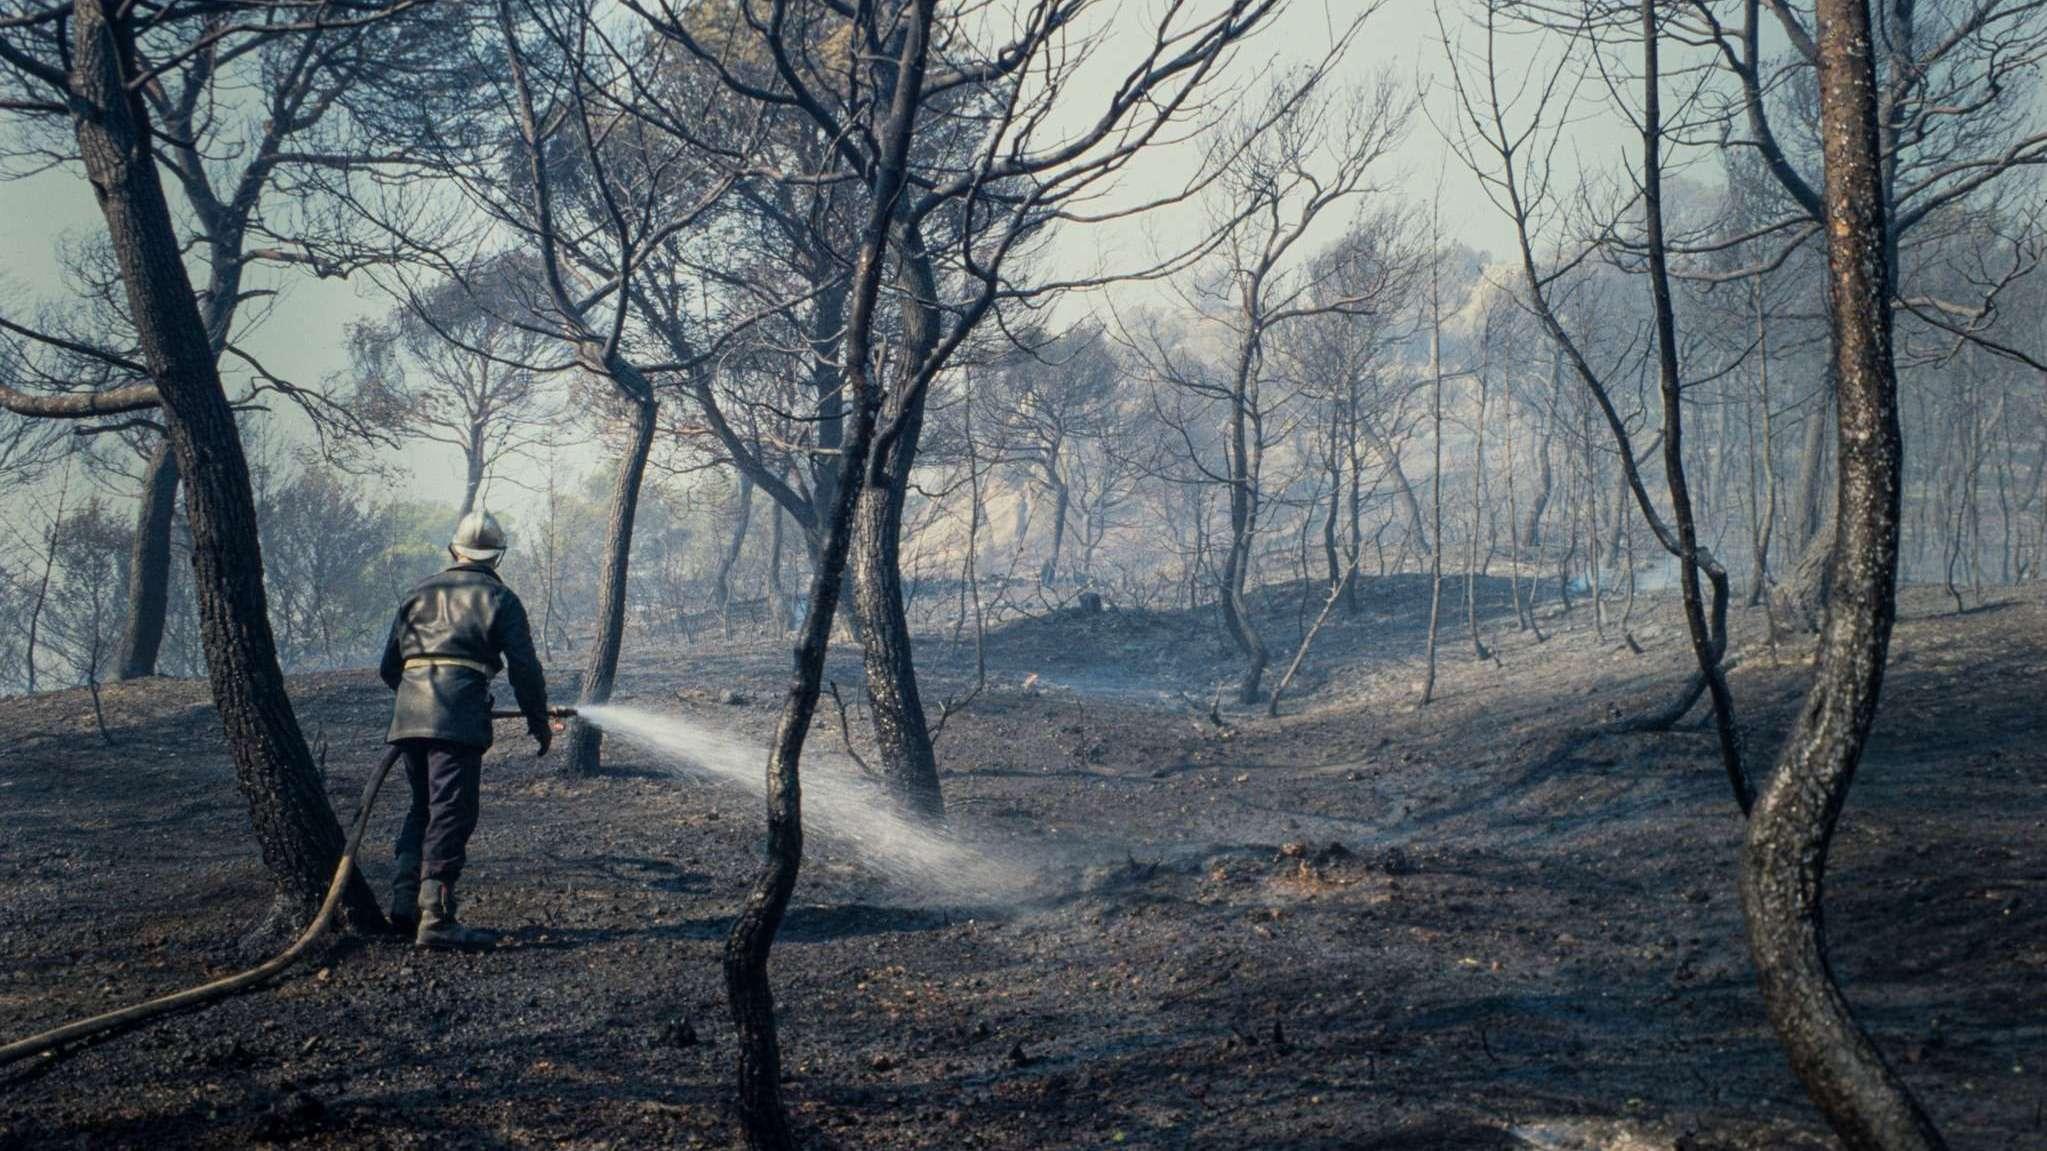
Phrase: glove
{"type": "Point", "coordinates": [544, 736]}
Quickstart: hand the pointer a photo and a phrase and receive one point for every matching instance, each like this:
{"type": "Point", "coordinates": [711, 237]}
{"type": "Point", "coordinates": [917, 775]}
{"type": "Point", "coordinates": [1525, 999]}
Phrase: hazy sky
{"type": "Point", "coordinates": [301, 336]}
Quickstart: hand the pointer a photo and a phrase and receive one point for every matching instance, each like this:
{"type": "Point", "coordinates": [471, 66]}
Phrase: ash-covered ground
{"type": "Point", "coordinates": [1361, 925]}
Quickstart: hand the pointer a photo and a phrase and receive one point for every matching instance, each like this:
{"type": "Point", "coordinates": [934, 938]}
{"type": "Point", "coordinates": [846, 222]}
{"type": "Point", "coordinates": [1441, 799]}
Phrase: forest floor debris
{"type": "Point", "coordinates": [1358, 925]}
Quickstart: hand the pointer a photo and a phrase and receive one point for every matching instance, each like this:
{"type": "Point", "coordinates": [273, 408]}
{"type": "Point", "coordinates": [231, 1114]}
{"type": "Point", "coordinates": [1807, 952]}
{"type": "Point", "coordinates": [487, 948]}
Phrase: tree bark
{"type": "Point", "coordinates": [1588, 509]}
{"type": "Point", "coordinates": [1356, 508]}
{"type": "Point", "coordinates": [1478, 647]}
{"type": "Point", "coordinates": [1436, 480]}
{"type": "Point", "coordinates": [1243, 451]}
{"type": "Point", "coordinates": [601, 666]}
{"type": "Point", "coordinates": [1545, 474]}
{"type": "Point", "coordinates": [149, 567]}
{"type": "Point", "coordinates": [909, 767]}
{"type": "Point", "coordinates": [827, 380]}
{"type": "Point", "coordinates": [1813, 511]}
{"type": "Point", "coordinates": [1403, 488]}
{"type": "Point", "coordinates": [1524, 610]}
{"type": "Point", "coordinates": [1763, 505]}
{"type": "Point", "coordinates": [1332, 463]}
{"type": "Point", "coordinates": [300, 838]}
{"type": "Point", "coordinates": [908, 764]}
{"type": "Point", "coordinates": [742, 515]}
{"type": "Point", "coordinates": [1062, 502]}
{"type": "Point", "coordinates": [472, 478]}
{"type": "Point", "coordinates": [1803, 598]}
{"type": "Point", "coordinates": [1784, 860]}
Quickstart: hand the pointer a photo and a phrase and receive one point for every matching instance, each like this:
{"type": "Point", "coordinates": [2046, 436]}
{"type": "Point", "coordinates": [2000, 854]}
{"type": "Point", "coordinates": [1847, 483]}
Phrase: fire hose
{"type": "Point", "coordinates": [226, 986]}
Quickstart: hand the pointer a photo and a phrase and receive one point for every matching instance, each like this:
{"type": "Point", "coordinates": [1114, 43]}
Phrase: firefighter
{"type": "Point", "coordinates": [453, 633]}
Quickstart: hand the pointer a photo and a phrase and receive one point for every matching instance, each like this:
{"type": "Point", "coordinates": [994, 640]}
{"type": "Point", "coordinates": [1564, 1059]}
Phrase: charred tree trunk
{"type": "Point", "coordinates": [1545, 474]}
{"type": "Point", "coordinates": [1403, 488]}
{"type": "Point", "coordinates": [1803, 598]}
{"type": "Point", "coordinates": [301, 841]}
{"type": "Point", "coordinates": [1244, 451]}
{"type": "Point", "coordinates": [1354, 459]}
{"type": "Point", "coordinates": [472, 478]}
{"type": "Point", "coordinates": [226, 225]}
{"type": "Point", "coordinates": [827, 381]}
{"type": "Point", "coordinates": [1589, 511]}
{"type": "Point", "coordinates": [902, 736]}
{"type": "Point", "coordinates": [1334, 466]}
{"type": "Point", "coordinates": [1524, 610]}
{"type": "Point", "coordinates": [761, 1112]}
{"type": "Point", "coordinates": [1617, 526]}
{"type": "Point", "coordinates": [149, 567]}
{"type": "Point", "coordinates": [1436, 481]}
{"type": "Point", "coordinates": [742, 516]}
{"type": "Point", "coordinates": [1570, 552]}
{"type": "Point", "coordinates": [1707, 641]}
{"type": "Point", "coordinates": [1243, 443]}
{"type": "Point", "coordinates": [1763, 504]}
{"type": "Point", "coordinates": [1784, 860]}
{"type": "Point", "coordinates": [1814, 508]}
{"type": "Point", "coordinates": [1478, 494]}
{"type": "Point", "coordinates": [762, 1115]}
{"type": "Point", "coordinates": [778, 596]}
{"type": "Point", "coordinates": [601, 667]}
{"type": "Point", "coordinates": [1062, 503]}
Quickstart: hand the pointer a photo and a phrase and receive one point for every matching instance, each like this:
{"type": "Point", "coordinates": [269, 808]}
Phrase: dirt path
{"type": "Point", "coordinates": [1356, 926]}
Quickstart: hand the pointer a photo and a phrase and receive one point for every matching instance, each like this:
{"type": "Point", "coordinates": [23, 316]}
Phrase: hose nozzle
{"type": "Point", "coordinates": [552, 713]}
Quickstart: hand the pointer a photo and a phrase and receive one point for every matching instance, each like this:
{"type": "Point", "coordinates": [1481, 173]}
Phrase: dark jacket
{"type": "Point", "coordinates": [466, 613]}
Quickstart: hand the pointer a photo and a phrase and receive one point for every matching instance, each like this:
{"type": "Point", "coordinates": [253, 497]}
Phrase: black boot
{"type": "Point", "coordinates": [438, 927]}
{"type": "Point", "coordinates": [405, 894]}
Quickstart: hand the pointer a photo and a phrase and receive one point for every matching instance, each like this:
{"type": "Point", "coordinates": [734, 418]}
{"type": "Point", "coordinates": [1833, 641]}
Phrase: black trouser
{"type": "Point", "coordinates": [445, 778]}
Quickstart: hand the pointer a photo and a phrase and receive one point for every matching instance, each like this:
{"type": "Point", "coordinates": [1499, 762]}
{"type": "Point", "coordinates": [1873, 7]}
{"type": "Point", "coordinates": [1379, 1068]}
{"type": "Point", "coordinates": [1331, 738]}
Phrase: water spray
{"type": "Point", "coordinates": [845, 807]}
{"type": "Point", "coordinates": [841, 805]}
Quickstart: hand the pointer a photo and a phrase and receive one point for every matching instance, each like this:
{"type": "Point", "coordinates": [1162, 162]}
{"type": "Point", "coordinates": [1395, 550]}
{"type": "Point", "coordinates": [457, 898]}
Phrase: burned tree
{"type": "Point", "coordinates": [227, 157]}
{"type": "Point", "coordinates": [1784, 862]}
{"type": "Point", "coordinates": [544, 152]}
{"type": "Point", "coordinates": [1957, 116]}
{"type": "Point", "coordinates": [1517, 177]}
{"type": "Point", "coordinates": [1435, 326]}
{"type": "Point", "coordinates": [1048, 403]}
{"type": "Point", "coordinates": [1305, 151]}
{"type": "Point", "coordinates": [101, 89]}
{"type": "Point", "coordinates": [455, 367]}
{"type": "Point", "coordinates": [951, 220]}
{"type": "Point", "coordinates": [1344, 360]}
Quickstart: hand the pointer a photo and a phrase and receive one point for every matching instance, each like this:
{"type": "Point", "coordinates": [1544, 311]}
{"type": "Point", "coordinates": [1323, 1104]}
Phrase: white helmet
{"type": "Point", "coordinates": [478, 538]}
